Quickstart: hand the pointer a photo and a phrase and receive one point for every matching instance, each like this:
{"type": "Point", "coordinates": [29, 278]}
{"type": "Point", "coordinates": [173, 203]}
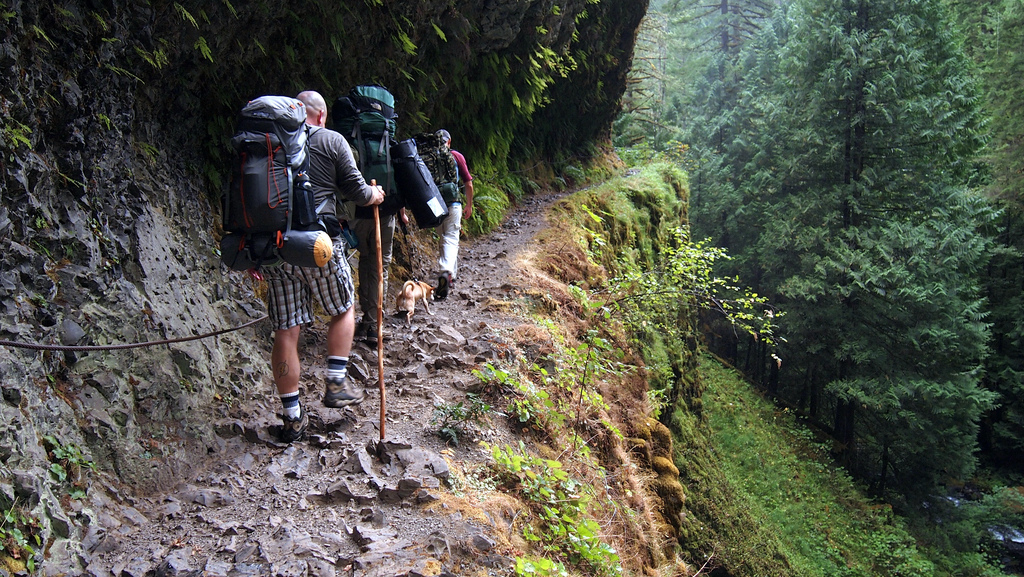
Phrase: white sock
{"type": "Point", "coordinates": [290, 402]}
{"type": "Point", "coordinates": [337, 368]}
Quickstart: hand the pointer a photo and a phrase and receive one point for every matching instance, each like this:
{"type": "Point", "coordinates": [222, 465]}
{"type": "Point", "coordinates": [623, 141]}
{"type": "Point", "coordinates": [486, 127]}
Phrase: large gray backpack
{"type": "Point", "coordinates": [268, 209]}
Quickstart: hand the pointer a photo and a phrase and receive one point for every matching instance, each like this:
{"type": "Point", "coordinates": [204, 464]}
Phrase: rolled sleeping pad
{"type": "Point", "coordinates": [308, 248]}
{"type": "Point", "coordinates": [412, 177]}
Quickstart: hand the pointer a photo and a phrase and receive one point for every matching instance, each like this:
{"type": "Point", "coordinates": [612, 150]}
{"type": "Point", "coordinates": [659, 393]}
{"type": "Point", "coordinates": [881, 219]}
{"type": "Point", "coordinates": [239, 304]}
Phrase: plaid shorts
{"type": "Point", "coordinates": [291, 290]}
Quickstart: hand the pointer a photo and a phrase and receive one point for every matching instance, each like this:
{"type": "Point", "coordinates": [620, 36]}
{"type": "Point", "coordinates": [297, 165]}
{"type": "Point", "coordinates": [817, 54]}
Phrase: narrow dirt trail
{"type": "Point", "coordinates": [337, 503]}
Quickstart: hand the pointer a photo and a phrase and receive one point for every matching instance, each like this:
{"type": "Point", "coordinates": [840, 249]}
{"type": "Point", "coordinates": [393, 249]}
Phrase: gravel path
{"type": "Point", "coordinates": [340, 502]}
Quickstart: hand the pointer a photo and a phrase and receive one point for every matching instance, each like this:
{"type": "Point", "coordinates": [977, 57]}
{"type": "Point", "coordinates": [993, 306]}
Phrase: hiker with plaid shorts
{"type": "Point", "coordinates": [334, 177]}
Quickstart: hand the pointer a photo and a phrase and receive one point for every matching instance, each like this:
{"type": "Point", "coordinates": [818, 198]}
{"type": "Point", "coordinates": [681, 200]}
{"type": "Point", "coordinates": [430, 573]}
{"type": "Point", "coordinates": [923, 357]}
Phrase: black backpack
{"type": "Point", "coordinates": [417, 185]}
{"type": "Point", "coordinates": [268, 210]}
{"type": "Point", "coordinates": [440, 161]}
{"type": "Point", "coordinates": [366, 118]}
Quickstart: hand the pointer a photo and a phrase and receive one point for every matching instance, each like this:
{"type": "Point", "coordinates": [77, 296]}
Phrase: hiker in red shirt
{"type": "Point", "coordinates": [451, 227]}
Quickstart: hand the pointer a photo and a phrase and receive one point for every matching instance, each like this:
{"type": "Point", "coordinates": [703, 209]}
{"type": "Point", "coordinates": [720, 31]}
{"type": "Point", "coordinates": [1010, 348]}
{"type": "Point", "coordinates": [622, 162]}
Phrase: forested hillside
{"type": "Point", "coordinates": [860, 161]}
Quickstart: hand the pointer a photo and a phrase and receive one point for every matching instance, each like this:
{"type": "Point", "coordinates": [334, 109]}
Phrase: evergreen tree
{"type": "Point", "coordinates": [678, 41]}
{"type": "Point", "coordinates": [834, 143]}
{"type": "Point", "coordinates": [731, 102]}
{"type": "Point", "coordinates": [647, 117]}
{"type": "Point", "coordinates": [739, 142]}
{"type": "Point", "coordinates": [1002, 435]}
{"type": "Point", "coordinates": [873, 241]}
{"type": "Point", "coordinates": [995, 39]}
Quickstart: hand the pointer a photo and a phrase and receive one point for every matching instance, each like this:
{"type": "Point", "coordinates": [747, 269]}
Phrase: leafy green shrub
{"type": "Point", "coordinates": [532, 405]}
{"type": "Point", "coordinates": [894, 552]}
{"type": "Point", "coordinates": [490, 203]}
{"type": "Point", "coordinates": [19, 538]}
{"type": "Point", "coordinates": [454, 420]}
{"type": "Point", "coordinates": [559, 506]}
{"type": "Point", "coordinates": [528, 404]}
{"type": "Point", "coordinates": [66, 464]}
{"type": "Point", "coordinates": [491, 376]}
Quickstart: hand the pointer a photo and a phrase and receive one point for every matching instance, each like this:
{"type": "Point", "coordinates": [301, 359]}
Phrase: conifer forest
{"type": "Point", "coordinates": [861, 162]}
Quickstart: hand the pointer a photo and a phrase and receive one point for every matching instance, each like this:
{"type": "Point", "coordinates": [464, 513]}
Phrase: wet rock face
{"type": "Point", "coordinates": [105, 237]}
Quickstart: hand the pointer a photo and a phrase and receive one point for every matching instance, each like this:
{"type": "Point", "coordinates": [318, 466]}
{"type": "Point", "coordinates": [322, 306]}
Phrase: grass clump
{"type": "Point", "coordinates": [826, 526]}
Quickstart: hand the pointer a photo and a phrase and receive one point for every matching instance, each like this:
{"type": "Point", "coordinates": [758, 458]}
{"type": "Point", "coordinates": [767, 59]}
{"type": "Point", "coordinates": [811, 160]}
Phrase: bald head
{"type": "Point", "coordinates": [316, 107]}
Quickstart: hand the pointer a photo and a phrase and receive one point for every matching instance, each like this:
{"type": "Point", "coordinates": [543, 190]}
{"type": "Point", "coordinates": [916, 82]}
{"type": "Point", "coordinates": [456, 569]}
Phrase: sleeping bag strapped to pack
{"type": "Point", "coordinates": [438, 157]}
{"type": "Point", "coordinates": [366, 118]}
{"type": "Point", "coordinates": [417, 185]}
{"type": "Point", "coordinates": [268, 210]}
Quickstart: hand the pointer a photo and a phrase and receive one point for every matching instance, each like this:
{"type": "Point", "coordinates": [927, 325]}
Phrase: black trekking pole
{"type": "Point", "coordinates": [410, 245]}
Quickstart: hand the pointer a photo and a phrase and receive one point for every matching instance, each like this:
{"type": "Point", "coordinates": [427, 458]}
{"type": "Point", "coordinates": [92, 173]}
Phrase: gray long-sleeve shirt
{"type": "Point", "coordinates": [333, 171]}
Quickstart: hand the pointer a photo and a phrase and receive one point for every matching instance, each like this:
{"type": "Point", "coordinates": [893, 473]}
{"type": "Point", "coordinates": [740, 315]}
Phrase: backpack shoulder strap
{"type": "Point", "coordinates": [453, 166]}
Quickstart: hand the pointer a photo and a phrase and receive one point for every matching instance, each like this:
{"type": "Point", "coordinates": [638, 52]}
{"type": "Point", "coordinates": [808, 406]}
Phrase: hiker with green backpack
{"type": "Point", "coordinates": [366, 118]}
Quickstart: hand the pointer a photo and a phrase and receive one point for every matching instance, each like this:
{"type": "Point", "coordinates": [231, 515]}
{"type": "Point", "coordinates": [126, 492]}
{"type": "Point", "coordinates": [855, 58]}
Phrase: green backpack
{"type": "Point", "coordinates": [367, 119]}
{"type": "Point", "coordinates": [441, 163]}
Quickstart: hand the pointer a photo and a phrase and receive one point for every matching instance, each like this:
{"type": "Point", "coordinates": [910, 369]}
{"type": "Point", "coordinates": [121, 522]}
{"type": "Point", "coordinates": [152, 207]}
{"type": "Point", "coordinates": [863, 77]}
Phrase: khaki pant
{"type": "Point", "coordinates": [367, 271]}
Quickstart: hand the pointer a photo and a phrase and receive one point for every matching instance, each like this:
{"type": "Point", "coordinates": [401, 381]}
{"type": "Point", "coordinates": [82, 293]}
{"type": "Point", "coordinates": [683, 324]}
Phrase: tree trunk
{"type": "Point", "coordinates": [844, 431]}
{"type": "Point", "coordinates": [773, 380]}
{"type": "Point", "coordinates": [725, 28]}
{"type": "Point", "coordinates": [885, 469]}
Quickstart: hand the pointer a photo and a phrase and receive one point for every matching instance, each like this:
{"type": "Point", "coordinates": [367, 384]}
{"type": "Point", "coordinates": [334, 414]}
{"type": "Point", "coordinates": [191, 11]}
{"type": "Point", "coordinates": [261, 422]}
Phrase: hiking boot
{"type": "Point", "coordinates": [360, 332]}
{"type": "Point", "coordinates": [366, 331]}
{"type": "Point", "coordinates": [293, 429]}
{"type": "Point", "coordinates": [371, 336]}
{"type": "Point", "coordinates": [444, 282]}
{"type": "Point", "coordinates": [341, 393]}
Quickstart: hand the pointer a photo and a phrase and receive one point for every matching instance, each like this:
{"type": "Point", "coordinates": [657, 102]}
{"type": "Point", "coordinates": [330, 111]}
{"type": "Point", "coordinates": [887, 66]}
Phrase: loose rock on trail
{"type": "Point", "coordinates": [340, 502]}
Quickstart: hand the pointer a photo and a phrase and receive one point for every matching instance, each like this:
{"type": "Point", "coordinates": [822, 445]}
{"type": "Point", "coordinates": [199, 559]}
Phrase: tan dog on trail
{"type": "Point", "coordinates": [413, 291]}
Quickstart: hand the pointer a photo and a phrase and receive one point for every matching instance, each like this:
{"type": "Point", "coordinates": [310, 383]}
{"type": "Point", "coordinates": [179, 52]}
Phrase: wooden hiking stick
{"type": "Point", "coordinates": [380, 313]}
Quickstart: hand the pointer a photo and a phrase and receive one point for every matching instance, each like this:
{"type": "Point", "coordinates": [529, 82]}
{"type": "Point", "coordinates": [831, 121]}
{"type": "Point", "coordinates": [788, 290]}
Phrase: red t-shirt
{"type": "Point", "coordinates": [464, 175]}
